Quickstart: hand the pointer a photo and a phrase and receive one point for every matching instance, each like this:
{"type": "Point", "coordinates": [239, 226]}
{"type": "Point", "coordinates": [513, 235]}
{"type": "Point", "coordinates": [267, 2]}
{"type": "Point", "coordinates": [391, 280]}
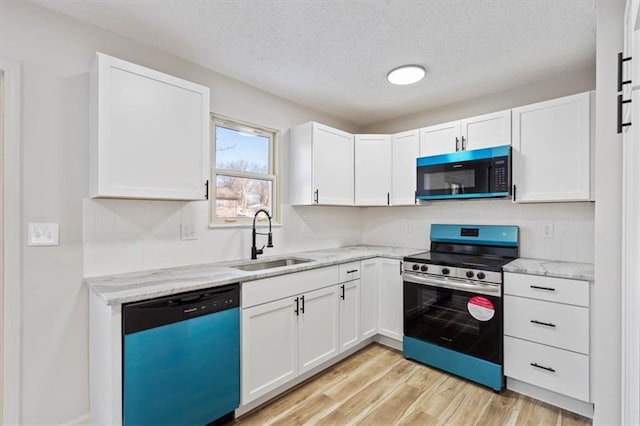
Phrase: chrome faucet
{"type": "Point", "coordinates": [254, 250]}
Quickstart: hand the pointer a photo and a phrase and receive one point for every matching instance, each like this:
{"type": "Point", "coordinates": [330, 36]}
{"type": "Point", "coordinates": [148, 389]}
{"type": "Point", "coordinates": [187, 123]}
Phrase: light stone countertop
{"type": "Point", "coordinates": [551, 268]}
{"type": "Point", "coordinates": [136, 286]}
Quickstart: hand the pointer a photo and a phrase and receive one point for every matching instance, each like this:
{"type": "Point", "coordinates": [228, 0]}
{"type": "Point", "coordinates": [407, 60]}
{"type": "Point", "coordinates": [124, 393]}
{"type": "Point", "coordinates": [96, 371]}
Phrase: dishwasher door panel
{"type": "Point", "coordinates": [182, 373]}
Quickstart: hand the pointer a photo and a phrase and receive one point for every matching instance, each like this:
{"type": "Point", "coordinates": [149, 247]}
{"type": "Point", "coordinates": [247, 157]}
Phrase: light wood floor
{"type": "Point", "coordinates": [377, 386]}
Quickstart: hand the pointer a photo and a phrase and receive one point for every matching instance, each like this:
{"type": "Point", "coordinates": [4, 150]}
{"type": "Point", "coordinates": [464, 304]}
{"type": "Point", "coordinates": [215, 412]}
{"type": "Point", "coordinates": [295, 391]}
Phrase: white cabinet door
{"type": "Point", "coordinates": [440, 139]}
{"type": "Point", "coordinates": [269, 348]}
{"type": "Point", "coordinates": [551, 150]}
{"type": "Point", "coordinates": [390, 300]}
{"type": "Point", "coordinates": [149, 135]}
{"type": "Point", "coordinates": [405, 150]}
{"type": "Point", "coordinates": [485, 131]}
{"type": "Point", "coordinates": [317, 328]}
{"type": "Point", "coordinates": [332, 166]}
{"type": "Point", "coordinates": [349, 314]}
{"type": "Point", "coordinates": [372, 170]}
{"type": "Point", "coordinates": [368, 298]}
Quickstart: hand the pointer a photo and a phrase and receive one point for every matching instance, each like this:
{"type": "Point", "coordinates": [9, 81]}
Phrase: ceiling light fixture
{"type": "Point", "coordinates": [406, 74]}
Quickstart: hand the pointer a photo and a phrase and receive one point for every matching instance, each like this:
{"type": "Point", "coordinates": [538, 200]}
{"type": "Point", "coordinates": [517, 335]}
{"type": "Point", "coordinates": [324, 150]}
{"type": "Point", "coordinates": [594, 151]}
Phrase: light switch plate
{"type": "Point", "coordinates": [43, 234]}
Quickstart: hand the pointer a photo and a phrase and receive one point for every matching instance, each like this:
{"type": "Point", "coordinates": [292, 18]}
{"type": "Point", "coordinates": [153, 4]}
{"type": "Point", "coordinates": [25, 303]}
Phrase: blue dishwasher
{"type": "Point", "coordinates": [181, 358]}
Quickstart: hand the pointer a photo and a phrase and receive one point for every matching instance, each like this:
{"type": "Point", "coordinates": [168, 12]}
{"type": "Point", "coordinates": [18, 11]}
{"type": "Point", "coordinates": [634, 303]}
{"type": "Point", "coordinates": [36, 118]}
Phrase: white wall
{"type": "Point", "coordinates": [410, 226]}
{"type": "Point", "coordinates": [608, 216]}
{"type": "Point", "coordinates": [55, 53]}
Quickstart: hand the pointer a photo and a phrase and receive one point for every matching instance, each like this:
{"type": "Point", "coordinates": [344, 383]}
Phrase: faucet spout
{"type": "Point", "coordinates": [255, 251]}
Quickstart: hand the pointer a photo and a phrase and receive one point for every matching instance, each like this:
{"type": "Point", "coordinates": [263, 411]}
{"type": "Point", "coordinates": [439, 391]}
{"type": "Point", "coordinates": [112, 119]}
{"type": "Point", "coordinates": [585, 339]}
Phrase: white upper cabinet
{"type": "Point", "coordinates": [483, 131]}
{"type": "Point", "coordinates": [440, 139]}
{"type": "Point", "coordinates": [149, 133]}
{"type": "Point", "coordinates": [551, 150]}
{"type": "Point", "coordinates": [321, 165]}
{"type": "Point", "coordinates": [372, 170]}
{"type": "Point", "coordinates": [405, 150]}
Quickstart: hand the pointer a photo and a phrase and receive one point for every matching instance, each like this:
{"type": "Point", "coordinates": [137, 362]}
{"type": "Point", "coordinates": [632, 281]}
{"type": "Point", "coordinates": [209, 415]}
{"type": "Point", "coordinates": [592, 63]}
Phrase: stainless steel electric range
{"type": "Point", "coordinates": [453, 300]}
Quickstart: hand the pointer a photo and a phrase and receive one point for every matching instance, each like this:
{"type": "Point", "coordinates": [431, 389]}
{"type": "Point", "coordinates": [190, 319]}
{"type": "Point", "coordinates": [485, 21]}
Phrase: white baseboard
{"type": "Point", "coordinates": [388, 341]}
{"type": "Point", "coordinates": [570, 404]}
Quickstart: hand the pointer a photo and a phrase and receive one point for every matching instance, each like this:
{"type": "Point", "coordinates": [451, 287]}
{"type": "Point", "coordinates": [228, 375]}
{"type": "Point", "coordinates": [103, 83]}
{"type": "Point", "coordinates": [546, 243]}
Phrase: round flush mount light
{"type": "Point", "coordinates": [406, 74]}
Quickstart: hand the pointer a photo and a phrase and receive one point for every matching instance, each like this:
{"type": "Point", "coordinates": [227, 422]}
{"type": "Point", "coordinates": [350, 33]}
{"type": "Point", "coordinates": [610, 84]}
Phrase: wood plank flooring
{"type": "Point", "coordinates": [378, 386]}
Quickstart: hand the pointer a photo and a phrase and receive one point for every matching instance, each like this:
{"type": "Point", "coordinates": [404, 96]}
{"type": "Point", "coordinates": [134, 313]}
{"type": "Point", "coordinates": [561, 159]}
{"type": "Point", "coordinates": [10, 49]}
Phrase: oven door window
{"type": "Point", "coordinates": [454, 319]}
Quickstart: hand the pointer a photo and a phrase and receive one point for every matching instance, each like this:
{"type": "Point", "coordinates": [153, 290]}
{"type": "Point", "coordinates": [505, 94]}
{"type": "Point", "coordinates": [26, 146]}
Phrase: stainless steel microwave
{"type": "Point", "coordinates": [478, 173]}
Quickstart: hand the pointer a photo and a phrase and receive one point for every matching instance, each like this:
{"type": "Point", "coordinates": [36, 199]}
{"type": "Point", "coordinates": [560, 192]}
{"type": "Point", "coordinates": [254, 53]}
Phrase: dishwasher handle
{"type": "Point", "coordinates": [140, 316]}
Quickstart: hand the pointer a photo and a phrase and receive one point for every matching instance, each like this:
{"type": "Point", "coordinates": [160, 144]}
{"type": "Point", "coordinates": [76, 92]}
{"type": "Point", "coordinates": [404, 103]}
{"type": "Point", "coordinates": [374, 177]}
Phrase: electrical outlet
{"type": "Point", "coordinates": [407, 227]}
{"type": "Point", "coordinates": [188, 232]}
{"type": "Point", "coordinates": [43, 234]}
{"type": "Point", "coordinates": [547, 230]}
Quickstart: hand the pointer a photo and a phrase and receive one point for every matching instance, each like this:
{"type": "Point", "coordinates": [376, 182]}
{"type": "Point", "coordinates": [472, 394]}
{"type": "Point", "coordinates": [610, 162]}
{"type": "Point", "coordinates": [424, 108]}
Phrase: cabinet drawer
{"type": "Point", "coordinates": [554, 324]}
{"type": "Point", "coordinates": [562, 290]}
{"type": "Point", "coordinates": [281, 286]}
{"type": "Point", "coordinates": [349, 271]}
{"type": "Point", "coordinates": [555, 369]}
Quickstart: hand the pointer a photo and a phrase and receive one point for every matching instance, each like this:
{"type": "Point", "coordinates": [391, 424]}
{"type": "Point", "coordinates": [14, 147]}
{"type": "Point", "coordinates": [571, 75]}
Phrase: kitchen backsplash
{"type": "Point", "coordinates": [572, 223]}
{"type": "Point", "coordinates": [128, 235]}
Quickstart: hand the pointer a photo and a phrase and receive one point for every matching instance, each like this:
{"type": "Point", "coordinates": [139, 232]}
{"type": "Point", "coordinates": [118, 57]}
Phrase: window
{"type": "Point", "coordinates": [244, 171]}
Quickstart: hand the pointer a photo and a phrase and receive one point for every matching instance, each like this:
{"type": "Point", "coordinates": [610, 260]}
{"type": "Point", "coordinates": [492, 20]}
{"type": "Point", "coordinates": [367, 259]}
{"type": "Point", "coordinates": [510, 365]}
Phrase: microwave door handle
{"type": "Point", "coordinates": [489, 169]}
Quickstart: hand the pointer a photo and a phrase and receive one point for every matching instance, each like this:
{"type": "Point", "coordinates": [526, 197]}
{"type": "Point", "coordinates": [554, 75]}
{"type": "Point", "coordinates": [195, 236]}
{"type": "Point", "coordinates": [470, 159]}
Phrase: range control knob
{"type": "Point", "coordinates": [424, 268]}
{"type": "Point", "coordinates": [415, 267]}
{"type": "Point", "coordinates": [470, 274]}
{"type": "Point", "coordinates": [481, 275]}
{"type": "Point", "coordinates": [445, 271]}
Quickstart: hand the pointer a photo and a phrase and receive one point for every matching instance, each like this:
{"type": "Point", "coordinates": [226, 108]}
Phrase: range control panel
{"type": "Point", "coordinates": [453, 272]}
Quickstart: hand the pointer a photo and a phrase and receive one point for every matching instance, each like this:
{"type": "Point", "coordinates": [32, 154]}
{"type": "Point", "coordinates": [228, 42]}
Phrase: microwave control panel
{"type": "Point", "coordinates": [500, 175]}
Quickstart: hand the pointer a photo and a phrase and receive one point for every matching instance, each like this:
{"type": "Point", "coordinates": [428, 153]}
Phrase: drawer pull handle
{"type": "Point", "coordinates": [548, 324]}
{"type": "Point", "coordinates": [352, 271]}
{"type": "Point", "coordinates": [534, 364]}
{"type": "Point", "coordinates": [542, 288]}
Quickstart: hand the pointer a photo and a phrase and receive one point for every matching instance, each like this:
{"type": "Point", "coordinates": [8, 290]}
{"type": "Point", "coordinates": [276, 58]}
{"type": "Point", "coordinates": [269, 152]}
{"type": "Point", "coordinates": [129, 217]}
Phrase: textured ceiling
{"type": "Point", "coordinates": [333, 56]}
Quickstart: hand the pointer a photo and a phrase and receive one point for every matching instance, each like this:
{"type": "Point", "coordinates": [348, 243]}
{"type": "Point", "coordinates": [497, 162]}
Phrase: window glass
{"type": "Point", "coordinates": [237, 150]}
{"type": "Point", "coordinates": [244, 171]}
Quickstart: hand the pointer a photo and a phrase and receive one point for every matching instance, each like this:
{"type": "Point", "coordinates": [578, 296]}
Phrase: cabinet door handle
{"type": "Point", "coordinates": [621, 60]}
{"type": "Point", "coordinates": [401, 267]}
{"type": "Point", "coordinates": [388, 196]}
{"type": "Point", "coordinates": [513, 193]}
{"type": "Point", "coordinates": [342, 286]}
{"type": "Point", "coordinates": [463, 147]}
{"type": "Point", "coordinates": [316, 196]}
{"type": "Point", "coordinates": [620, 123]}
{"type": "Point", "coordinates": [352, 271]}
{"type": "Point", "coordinates": [302, 307]}
{"type": "Point", "coordinates": [537, 287]}
{"type": "Point", "coordinates": [206, 190]}
{"type": "Point", "coordinates": [548, 324]}
{"type": "Point", "coordinates": [297, 306]}
{"type": "Point", "coordinates": [535, 364]}
{"type": "Point", "coordinates": [457, 142]}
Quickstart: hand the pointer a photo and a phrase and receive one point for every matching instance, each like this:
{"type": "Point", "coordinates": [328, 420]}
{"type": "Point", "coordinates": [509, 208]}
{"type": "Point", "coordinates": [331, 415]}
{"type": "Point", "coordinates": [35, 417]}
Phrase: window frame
{"type": "Point", "coordinates": [273, 174]}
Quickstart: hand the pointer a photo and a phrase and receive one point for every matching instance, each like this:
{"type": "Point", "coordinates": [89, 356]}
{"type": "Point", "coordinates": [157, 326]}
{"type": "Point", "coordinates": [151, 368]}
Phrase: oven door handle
{"type": "Point", "coordinates": [488, 289]}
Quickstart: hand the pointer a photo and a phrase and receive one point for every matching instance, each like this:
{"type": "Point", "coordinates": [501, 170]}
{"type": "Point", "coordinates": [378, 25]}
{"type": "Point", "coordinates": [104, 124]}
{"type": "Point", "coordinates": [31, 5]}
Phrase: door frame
{"type": "Point", "coordinates": [12, 222]}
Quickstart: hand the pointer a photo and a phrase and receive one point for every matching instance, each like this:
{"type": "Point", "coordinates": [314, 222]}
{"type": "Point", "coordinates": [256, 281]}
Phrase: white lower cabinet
{"type": "Point", "coordinates": [317, 320]}
{"type": "Point", "coordinates": [269, 347]}
{"type": "Point", "coordinates": [547, 333]}
{"type": "Point", "coordinates": [349, 307]}
{"type": "Point", "coordinates": [368, 298]}
{"type": "Point", "coordinates": [390, 298]}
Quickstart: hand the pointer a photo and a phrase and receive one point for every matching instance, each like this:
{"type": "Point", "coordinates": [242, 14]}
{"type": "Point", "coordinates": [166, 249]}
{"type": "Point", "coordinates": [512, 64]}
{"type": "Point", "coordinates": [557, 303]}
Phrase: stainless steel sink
{"type": "Point", "coordinates": [258, 266]}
